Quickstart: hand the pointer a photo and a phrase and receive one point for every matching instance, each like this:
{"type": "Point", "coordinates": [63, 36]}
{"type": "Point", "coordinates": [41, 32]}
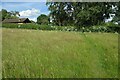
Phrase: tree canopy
{"type": "Point", "coordinates": [42, 19]}
{"type": "Point", "coordinates": [80, 13]}
{"type": "Point", "coordinates": [6, 14]}
{"type": "Point", "coordinates": [117, 12]}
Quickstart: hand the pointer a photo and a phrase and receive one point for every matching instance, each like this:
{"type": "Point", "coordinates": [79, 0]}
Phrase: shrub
{"type": "Point", "coordinates": [45, 27]}
{"type": "Point", "coordinates": [21, 26]}
{"type": "Point", "coordinates": [107, 27]}
{"type": "Point", "coordinates": [29, 26]}
{"type": "Point", "coordinates": [113, 27]}
{"type": "Point", "coordinates": [9, 25]}
{"type": "Point", "coordinates": [26, 26]}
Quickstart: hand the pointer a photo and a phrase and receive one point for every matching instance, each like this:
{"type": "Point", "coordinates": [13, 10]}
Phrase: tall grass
{"type": "Point", "coordinates": [56, 54]}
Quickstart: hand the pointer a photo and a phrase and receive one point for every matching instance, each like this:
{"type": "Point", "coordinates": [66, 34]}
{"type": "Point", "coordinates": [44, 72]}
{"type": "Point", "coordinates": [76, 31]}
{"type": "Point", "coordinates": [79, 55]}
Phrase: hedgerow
{"type": "Point", "coordinates": [108, 27]}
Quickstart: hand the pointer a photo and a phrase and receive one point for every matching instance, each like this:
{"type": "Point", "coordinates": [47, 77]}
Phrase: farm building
{"type": "Point", "coordinates": [19, 20]}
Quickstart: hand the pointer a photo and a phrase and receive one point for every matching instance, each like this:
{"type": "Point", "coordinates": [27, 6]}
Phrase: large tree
{"type": "Point", "coordinates": [80, 13]}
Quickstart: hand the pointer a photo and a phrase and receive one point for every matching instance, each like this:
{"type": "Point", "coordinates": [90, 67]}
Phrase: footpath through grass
{"type": "Point", "coordinates": [52, 54]}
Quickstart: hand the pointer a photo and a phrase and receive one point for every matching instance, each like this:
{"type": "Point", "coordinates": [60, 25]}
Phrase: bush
{"type": "Point", "coordinates": [113, 27]}
{"type": "Point", "coordinates": [107, 27]}
{"type": "Point", "coordinates": [9, 25]}
{"type": "Point", "coordinates": [27, 26]}
{"type": "Point", "coordinates": [63, 28]}
{"type": "Point", "coordinates": [21, 26]}
{"type": "Point", "coordinates": [45, 27]}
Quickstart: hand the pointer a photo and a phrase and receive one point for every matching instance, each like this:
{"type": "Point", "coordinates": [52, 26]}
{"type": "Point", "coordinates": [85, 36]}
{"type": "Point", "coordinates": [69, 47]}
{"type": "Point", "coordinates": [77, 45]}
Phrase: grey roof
{"type": "Point", "coordinates": [18, 20]}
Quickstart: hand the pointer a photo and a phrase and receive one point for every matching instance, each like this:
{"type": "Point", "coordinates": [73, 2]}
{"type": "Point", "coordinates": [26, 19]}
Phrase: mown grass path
{"type": "Point", "coordinates": [56, 54]}
{"type": "Point", "coordinates": [99, 58]}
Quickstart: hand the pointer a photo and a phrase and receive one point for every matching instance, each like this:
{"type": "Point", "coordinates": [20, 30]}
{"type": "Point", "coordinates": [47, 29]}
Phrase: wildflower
{"type": "Point", "coordinates": [93, 27]}
{"type": "Point", "coordinates": [72, 27]}
{"type": "Point", "coordinates": [83, 28]}
{"type": "Point", "coordinates": [83, 32]}
{"type": "Point", "coordinates": [68, 29]}
{"type": "Point", "coordinates": [89, 31]}
{"type": "Point", "coordinates": [75, 29]}
{"type": "Point", "coordinates": [65, 27]}
{"type": "Point", "coordinates": [116, 33]}
{"type": "Point", "coordinates": [18, 26]}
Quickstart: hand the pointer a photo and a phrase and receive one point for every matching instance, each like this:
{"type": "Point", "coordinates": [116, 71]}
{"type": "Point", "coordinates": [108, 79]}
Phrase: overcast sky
{"type": "Point", "coordinates": [29, 10]}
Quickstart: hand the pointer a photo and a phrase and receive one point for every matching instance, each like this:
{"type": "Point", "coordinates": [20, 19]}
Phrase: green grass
{"type": "Point", "coordinates": [0, 52]}
{"type": "Point", "coordinates": [57, 54]}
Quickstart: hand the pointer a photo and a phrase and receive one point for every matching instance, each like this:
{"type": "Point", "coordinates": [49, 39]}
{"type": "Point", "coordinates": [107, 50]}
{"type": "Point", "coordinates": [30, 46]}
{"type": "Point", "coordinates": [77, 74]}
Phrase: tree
{"type": "Point", "coordinates": [6, 14]}
{"type": "Point", "coordinates": [117, 13]}
{"type": "Point", "coordinates": [79, 13]}
{"type": "Point", "coordinates": [43, 19]}
{"type": "Point", "coordinates": [93, 13]}
{"type": "Point", "coordinates": [32, 21]}
{"type": "Point", "coordinates": [58, 13]}
{"type": "Point", "coordinates": [14, 14]}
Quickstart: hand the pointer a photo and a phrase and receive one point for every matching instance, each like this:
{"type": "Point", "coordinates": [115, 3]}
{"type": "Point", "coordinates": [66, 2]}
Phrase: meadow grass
{"type": "Point", "coordinates": [57, 54]}
{"type": "Point", "coordinates": [0, 52]}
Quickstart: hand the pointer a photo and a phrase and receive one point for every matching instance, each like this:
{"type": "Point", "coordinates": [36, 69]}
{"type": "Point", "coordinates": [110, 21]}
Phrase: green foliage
{"type": "Point", "coordinates": [107, 27]}
{"type": "Point", "coordinates": [32, 21]}
{"type": "Point", "coordinates": [64, 28]}
{"type": "Point", "coordinates": [45, 27]}
{"type": "Point", "coordinates": [6, 14]}
{"type": "Point", "coordinates": [80, 14]}
{"type": "Point", "coordinates": [43, 19]}
{"type": "Point", "coordinates": [20, 26]}
{"type": "Point", "coordinates": [38, 27]}
{"type": "Point", "coordinates": [27, 26]}
{"type": "Point", "coordinates": [113, 27]}
{"type": "Point", "coordinates": [9, 25]}
{"type": "Point", "coordinates": [117, 13]}
{"type": "Point", "coordinates": [61, 13]}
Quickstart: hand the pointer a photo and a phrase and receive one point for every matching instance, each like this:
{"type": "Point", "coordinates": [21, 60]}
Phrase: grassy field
{"type": "Point", "coordinates": [56, 54]}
